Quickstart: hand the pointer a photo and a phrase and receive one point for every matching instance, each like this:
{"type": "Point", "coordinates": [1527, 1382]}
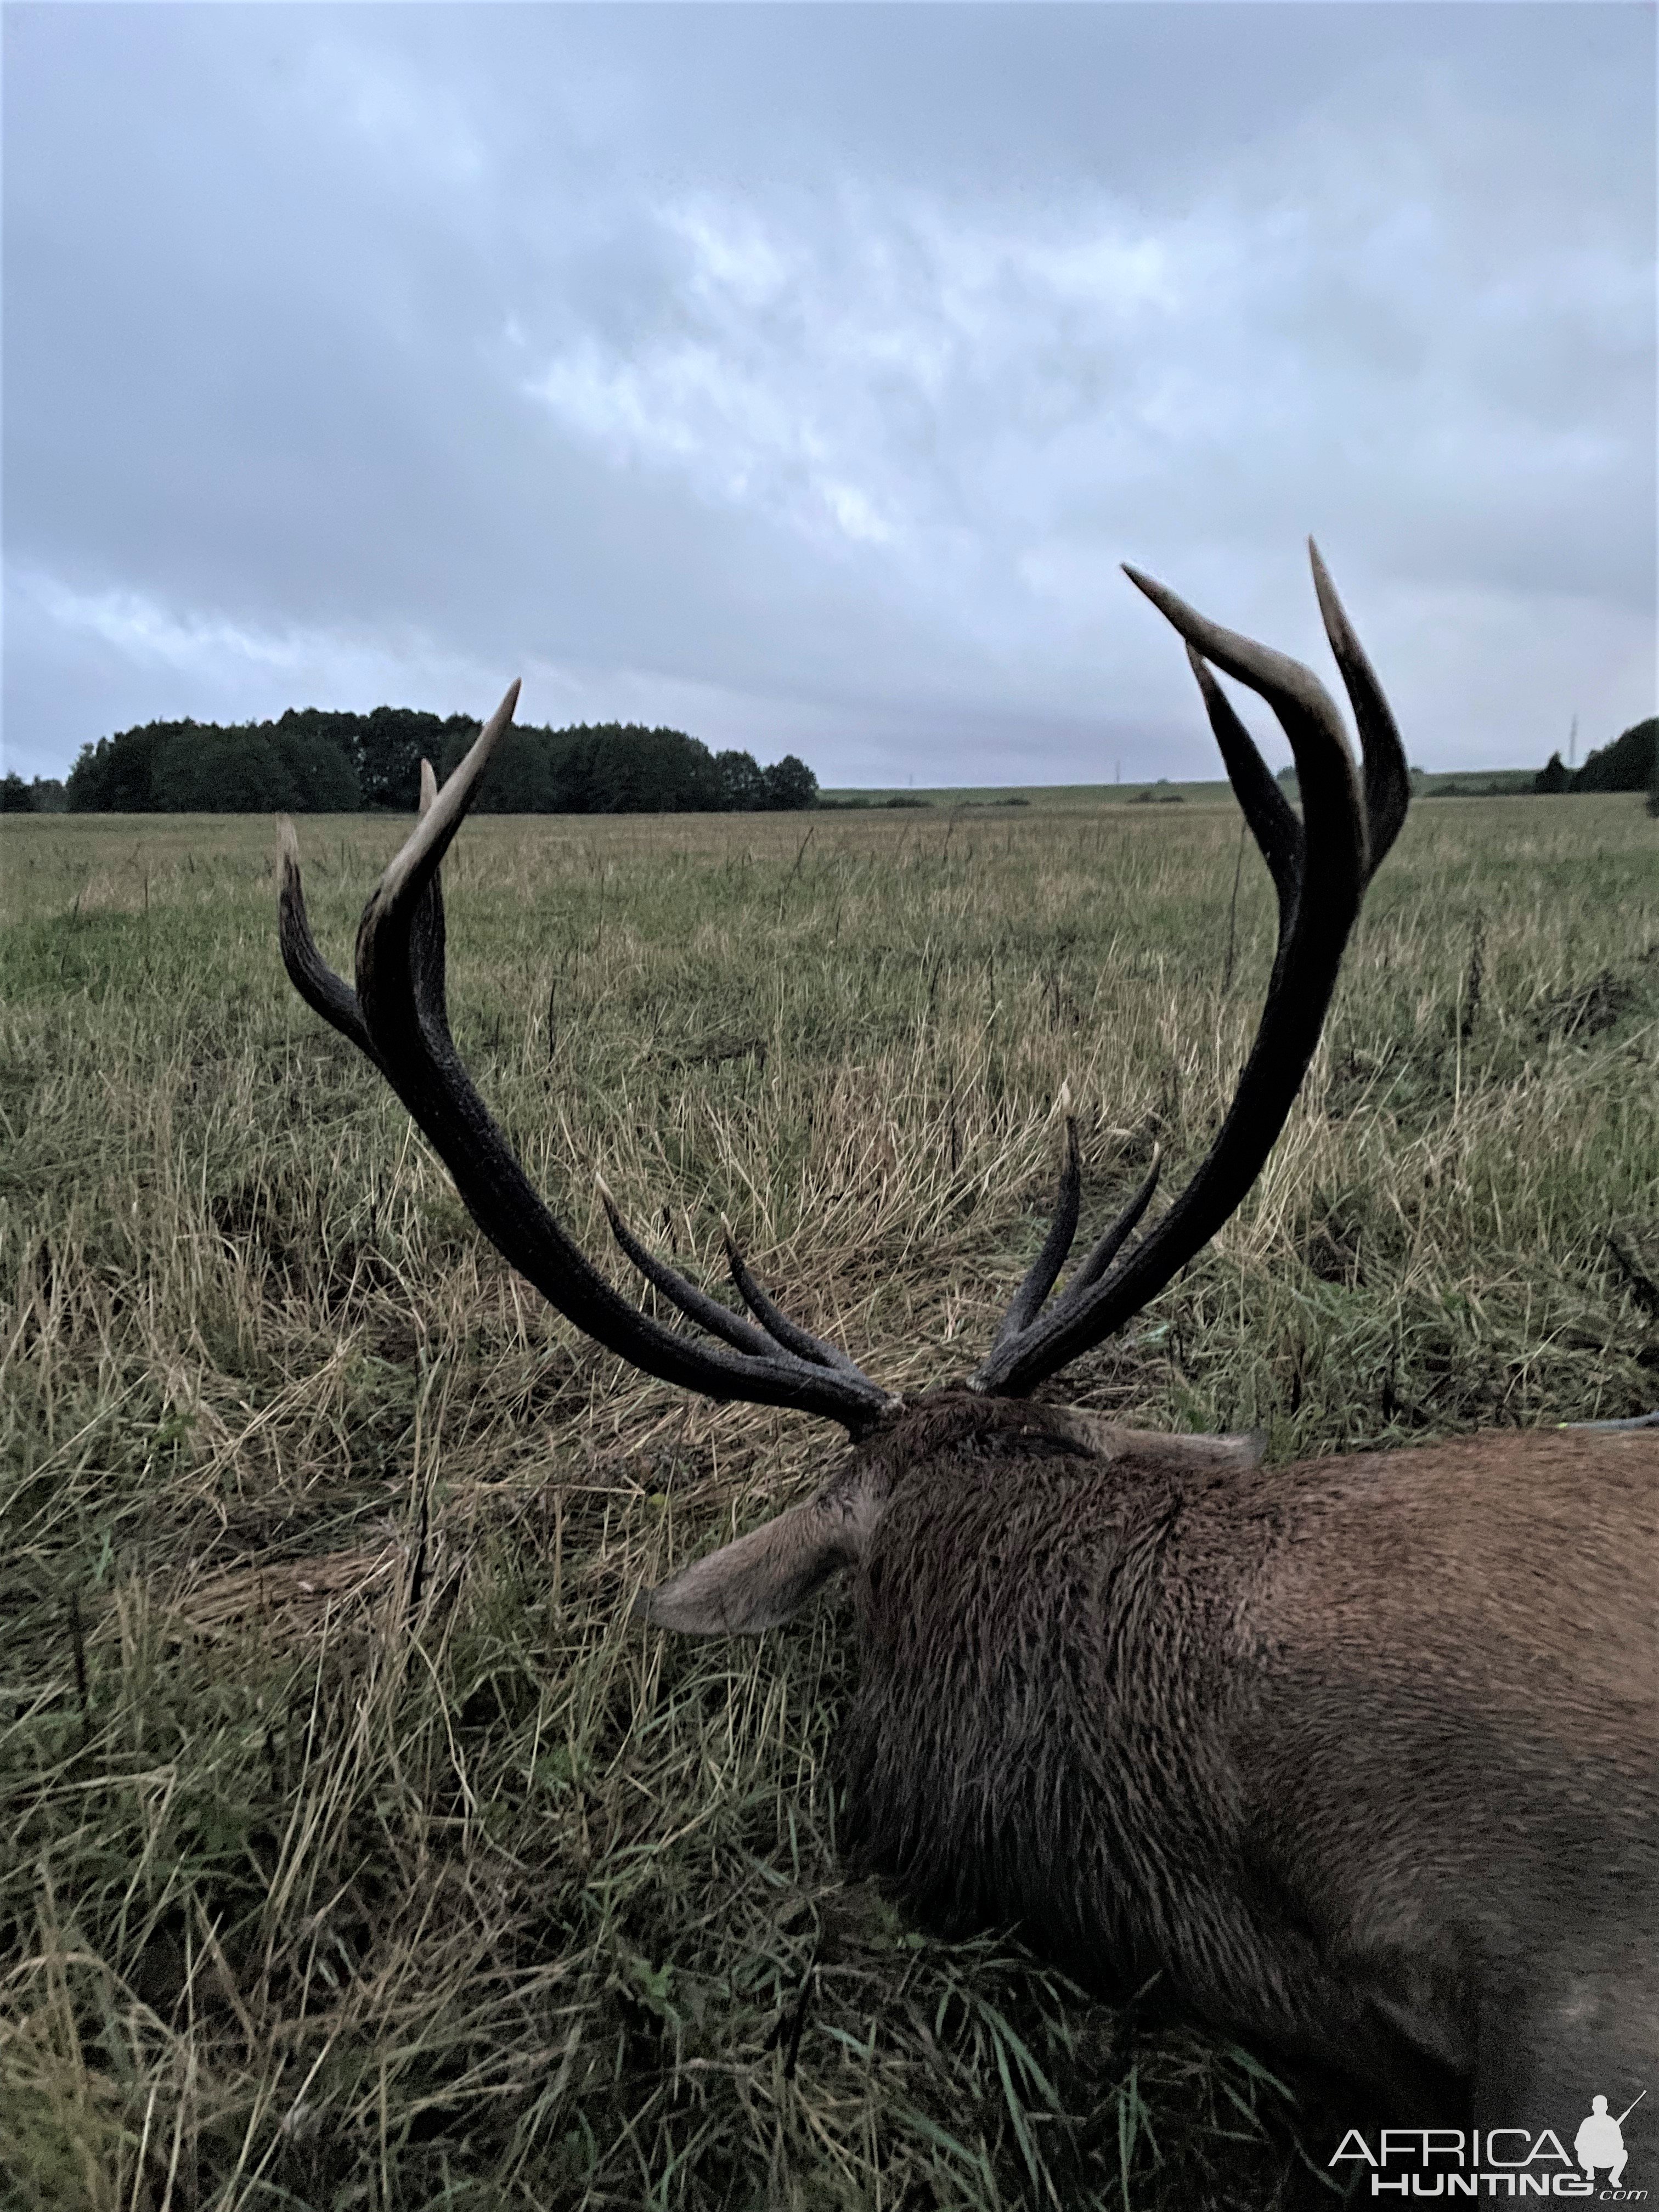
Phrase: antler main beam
{"type": "Point", "coordinates": [398, 1017]}
{"type": "Point", "coordinates": [1320, 866]}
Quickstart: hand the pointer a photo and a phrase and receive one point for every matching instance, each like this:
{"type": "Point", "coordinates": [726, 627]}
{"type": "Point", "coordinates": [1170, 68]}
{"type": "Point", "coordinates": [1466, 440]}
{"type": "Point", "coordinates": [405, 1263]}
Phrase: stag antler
{"type": "Point", "coordinates": [398, 1017]}
{"type": "Point", "coordinates": [1320, 866]}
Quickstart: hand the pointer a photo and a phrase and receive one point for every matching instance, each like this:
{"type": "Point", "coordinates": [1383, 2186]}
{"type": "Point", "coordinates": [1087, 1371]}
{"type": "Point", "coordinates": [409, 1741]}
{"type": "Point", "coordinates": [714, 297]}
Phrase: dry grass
{"type": "Point", "coordinates": [355, 1850]}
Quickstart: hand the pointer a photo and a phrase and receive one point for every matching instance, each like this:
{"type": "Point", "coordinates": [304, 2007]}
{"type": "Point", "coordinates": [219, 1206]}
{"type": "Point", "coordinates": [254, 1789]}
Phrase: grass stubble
{"type": "Point", "coordinates": [355, 1849]}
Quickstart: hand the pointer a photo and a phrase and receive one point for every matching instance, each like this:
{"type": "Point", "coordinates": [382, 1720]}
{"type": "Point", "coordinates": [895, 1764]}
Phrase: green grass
{"type": "Point", "coordinates": [356, 1850]}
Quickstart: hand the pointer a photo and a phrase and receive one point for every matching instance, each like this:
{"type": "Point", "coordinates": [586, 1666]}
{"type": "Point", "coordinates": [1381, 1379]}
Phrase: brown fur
{"type": "Point", "coordinates": [1359, 1756]}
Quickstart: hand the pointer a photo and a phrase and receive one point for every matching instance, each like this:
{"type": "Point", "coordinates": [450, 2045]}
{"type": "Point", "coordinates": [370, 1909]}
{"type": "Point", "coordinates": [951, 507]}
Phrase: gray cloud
{"type": "Point", "coordinates": [799, 375]}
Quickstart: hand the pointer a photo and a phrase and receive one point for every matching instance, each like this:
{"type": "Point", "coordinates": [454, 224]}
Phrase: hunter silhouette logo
{"type": "Point", "coordinates": [1599, 2140]}
{"type": "Point", "coordinates": [1528, 2161]}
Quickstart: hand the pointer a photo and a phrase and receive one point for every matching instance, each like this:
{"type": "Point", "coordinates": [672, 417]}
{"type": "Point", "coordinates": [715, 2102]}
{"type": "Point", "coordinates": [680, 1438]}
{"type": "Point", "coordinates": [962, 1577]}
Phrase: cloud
{"type": "Point", "coordinates": [809, 372]}
{"type": "Point", "coordinates": [135, 650]}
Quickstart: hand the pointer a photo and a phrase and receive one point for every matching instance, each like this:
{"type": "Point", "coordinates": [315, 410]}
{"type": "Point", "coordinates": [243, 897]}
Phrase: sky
{"type": "Point", "coordinates": [798, 375]}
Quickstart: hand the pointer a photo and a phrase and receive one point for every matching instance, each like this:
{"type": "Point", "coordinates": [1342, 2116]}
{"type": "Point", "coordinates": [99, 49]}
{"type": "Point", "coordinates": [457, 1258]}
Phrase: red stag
{"type": "Point", "coordinates": [1360, 1756]}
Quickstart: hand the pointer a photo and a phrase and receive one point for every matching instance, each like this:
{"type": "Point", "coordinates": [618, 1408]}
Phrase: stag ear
{"type": "Point", "coordinates": [767, 1575]}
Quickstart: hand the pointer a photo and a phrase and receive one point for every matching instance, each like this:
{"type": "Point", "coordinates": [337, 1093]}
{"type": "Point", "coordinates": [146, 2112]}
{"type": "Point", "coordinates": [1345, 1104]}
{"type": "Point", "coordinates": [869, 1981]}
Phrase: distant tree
{"type": "Point", "coordinates": [740, 784]}
{"type": "Point", "coordinates": [1628, 764]}
{"type": "Point", "coordinates": [639, 771]}
{"type": "Point", "coordinates": [113, 776]}
{"type": "Point", "coordinates": [319, 748]}
{"type": "Point", "coordinates": [49, 795]}
{"type": "Point", "coordinates": [387, 749]}
{"type": "Point", "coordinates": [790, 785]}
{"type": "Point", "coordinates": [15, 797]}
{"type": "Point", "coordinates": [1552, 776]}
{"type": "Point", "coordinates": [320, 775]}
{"type": "Point", "coordinates": [614, 767]}
{"type": "Point", "coordinates": [571, 759]}
{"type": "Point", "coordinates": [519, 779]}
{"type": "Point", "coordinates": [206, 770]}
{"type": "Point", "coordinates": [203, 768]}
{"type": "Point", "coordinates": [263, 768]}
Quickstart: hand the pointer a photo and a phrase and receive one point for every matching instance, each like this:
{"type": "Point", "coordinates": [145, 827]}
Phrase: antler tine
{"type": "Point", "coordinates": [773, 1318]}
{"type": "Point", "coordinates": [323, 991]}
{"type": "Point", "coordinates": [1273, 820]}
{"type": "Point", "coordinates": [397, 1015]}
{"type": "Point", "coordinates": [1031, 1296]}
{"type": "Point", "coordinates": [1305, 709]}
{"type": "Point", "coordinates": [1043, 1272]}
{"type": "Point", "coordinates": [1107, 1247]}
{"type": "Point", "coordinates": [417, 861]}
{"type": "Point", "coordinates": [425, 938]}
{"type": "Point", "coordinates": [720, 1320]}
{"type": "Point", "coordinates": [1388, 778]}
{"type": "Point", "coordinates": [1320, 878]}
{"type": "Point", "coordinates": [778, 1331]}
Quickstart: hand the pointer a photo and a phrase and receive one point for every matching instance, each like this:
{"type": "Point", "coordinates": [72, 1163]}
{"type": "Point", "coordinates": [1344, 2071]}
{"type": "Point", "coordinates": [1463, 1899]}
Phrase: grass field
{"type": "Point", "coordinates": [1072, 798]}
{"type": "Point", "coordinates": [355, 1849]}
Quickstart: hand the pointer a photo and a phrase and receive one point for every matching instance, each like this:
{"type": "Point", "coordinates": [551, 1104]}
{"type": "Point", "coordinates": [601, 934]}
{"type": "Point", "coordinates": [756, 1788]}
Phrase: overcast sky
{"type": "Point", "coordinates": [798, 375]}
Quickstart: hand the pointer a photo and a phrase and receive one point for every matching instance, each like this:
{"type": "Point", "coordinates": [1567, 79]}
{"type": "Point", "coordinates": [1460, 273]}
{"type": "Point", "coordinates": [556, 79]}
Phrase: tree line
{"type": "Point", "coordinates": [314, 761]}
{"type": "Point", "coordinates": [1631, 763]}
{"type": "Point", "coordinates": [42, 795]}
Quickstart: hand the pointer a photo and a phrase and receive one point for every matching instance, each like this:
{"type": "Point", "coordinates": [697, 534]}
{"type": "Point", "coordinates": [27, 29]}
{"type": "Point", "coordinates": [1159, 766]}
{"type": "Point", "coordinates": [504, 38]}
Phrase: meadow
{"type": "Point", "coordinates": [356, 1849]}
